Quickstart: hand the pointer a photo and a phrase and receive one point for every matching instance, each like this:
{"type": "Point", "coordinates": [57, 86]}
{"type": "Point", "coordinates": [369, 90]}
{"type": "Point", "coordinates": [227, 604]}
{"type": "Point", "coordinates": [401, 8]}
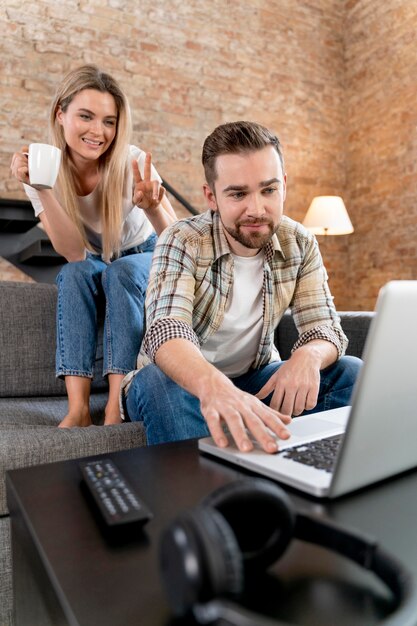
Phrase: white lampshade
{"type": "Point", "coordinates": [327, 215]}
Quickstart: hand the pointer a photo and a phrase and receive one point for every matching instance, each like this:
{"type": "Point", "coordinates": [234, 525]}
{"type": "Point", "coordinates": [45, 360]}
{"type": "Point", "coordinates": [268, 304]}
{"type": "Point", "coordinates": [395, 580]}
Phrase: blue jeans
{"type": "Point", "coordinates": [170, 413]}
{"type": "Point", "coordinates": [88, 288]}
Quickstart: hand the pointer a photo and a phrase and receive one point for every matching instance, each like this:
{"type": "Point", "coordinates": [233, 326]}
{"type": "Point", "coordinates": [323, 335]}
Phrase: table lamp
{"type": "Point", "coordinates": [327, 215]}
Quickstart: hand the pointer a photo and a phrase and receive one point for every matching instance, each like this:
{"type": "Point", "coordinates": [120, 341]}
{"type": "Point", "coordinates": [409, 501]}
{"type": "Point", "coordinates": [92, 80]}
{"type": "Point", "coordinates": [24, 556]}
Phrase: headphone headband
{"type": "Point", "coordinates": [352, 544]}
{"type": "Point", "coordinates": [220, 547]}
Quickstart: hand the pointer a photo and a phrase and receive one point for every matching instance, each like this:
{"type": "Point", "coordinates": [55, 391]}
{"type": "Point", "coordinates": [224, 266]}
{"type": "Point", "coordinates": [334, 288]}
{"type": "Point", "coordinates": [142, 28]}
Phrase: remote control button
{"type": "Point", "coordinates": [114, 497]}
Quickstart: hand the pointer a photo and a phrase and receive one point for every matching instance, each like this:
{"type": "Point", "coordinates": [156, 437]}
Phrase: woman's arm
{"type": "Point", "coordinates": [60, 229]}
{"type": "Point", "coordinates": [162, 216]}
{"type": "Point", "coordinates": [168, 208]}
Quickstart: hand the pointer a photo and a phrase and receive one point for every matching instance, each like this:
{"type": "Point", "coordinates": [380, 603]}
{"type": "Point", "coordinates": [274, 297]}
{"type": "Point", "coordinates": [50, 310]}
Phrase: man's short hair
{"type": "Point", "coordinates": [234, 138]}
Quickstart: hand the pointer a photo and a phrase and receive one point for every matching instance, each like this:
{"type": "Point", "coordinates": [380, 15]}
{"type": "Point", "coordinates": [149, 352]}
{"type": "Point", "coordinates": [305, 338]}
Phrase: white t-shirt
{"type": "Point", "coordinates": [233, 347]}
{"type": "Point", "coordinates": [136, 227]}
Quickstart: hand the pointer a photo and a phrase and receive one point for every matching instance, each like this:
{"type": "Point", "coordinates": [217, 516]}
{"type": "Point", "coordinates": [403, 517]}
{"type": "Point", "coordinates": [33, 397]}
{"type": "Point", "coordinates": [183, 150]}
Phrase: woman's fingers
{"type": "Point", "coordinates": [136, 173]}
{"type": "Point", "coordinates": [147, 193]}
{"type": "Point", "coordinates": [148, 167]}
{"type": "Point", "coordinates": [19, 165]}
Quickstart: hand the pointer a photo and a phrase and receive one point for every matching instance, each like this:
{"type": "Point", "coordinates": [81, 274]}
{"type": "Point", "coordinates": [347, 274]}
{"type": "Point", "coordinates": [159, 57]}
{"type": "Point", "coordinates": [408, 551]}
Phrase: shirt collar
{"type": "Point", "coordinates": [276, 245]}
{"type": "Point", "coordinates": [221, 245]}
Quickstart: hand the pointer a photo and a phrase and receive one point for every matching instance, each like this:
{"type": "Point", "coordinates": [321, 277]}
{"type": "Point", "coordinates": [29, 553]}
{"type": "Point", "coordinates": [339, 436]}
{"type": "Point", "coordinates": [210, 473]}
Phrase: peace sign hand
{"type": "Point", "coordinates": [147, 193]}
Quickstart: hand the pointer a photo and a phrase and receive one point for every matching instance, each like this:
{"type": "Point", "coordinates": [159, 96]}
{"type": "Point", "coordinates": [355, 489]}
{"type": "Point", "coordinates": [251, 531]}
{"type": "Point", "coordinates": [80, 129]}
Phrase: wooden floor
{"type": "Point", "coordinates": [10, 272]}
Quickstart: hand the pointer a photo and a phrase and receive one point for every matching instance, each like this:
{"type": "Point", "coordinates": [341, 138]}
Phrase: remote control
{"type": "Point", "coordinates": [115, 498]}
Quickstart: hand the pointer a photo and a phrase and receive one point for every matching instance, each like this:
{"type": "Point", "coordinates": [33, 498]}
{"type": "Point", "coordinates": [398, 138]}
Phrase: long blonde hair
{"type": "Point", "coordinates": [113, 163]}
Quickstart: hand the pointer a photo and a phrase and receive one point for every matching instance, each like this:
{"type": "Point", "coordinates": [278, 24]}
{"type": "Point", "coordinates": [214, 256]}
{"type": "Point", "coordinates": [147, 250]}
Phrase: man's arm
{"type": "Point", "coordinates": [172, 343]}
{"type": "Point", "coordinates": [295, 385]}
{"type": "Point", "coordinates": [221, 401]}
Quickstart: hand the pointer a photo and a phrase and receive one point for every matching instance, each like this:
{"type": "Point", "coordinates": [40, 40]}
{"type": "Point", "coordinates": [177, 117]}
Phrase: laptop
{"type": "Point", "coordinates": [373, 439]}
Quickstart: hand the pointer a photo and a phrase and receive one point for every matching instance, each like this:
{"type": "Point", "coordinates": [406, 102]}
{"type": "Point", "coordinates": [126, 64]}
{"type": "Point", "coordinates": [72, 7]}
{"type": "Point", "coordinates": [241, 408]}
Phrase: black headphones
{"type": "Point", "coordinates": [244, 527]}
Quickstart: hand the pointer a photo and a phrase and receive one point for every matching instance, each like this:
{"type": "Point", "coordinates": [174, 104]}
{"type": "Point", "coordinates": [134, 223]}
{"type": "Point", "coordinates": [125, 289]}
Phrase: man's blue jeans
{"type": "Point", "coordinates": [170, 413]}
{"type": "Point", "coordinates": [87, 288]}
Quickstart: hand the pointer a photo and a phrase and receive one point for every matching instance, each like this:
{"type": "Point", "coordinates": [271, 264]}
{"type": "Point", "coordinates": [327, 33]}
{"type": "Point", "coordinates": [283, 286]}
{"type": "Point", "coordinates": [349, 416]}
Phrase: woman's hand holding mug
{"type": "Point", "coordinates": [37, 166]}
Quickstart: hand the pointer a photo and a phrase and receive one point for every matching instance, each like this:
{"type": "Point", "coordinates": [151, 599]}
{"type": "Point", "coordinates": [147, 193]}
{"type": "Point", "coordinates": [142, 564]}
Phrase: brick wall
{"type": "Point", "coordinates": [296, 67]}
{"type": "Point", "coordinates": [381, 174]}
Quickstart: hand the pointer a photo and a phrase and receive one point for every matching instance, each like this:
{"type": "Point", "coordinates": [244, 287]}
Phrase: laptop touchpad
{"type": "Point", "coordinates": [310, 427]}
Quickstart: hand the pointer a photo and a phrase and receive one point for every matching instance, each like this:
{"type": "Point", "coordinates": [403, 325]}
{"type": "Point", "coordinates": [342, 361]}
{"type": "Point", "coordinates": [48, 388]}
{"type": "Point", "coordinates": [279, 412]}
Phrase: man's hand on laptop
{"type": "Point", "coordinates": [295, 385]}
{"type": "Point", "coordinates": [242, 413]}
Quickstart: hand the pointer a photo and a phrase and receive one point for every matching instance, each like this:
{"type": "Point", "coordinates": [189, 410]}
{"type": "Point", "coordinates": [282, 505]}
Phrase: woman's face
{"type": "Point", "coordinates": [89, 124]}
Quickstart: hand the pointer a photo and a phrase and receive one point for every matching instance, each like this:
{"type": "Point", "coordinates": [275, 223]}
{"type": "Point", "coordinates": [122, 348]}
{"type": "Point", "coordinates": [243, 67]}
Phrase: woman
{"type": "Point", "coordinates": [103, 216]}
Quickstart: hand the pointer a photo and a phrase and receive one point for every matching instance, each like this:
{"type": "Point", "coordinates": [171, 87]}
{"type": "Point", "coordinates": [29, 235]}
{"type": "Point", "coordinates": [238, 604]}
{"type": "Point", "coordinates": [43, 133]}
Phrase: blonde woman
{"type": "Point", "coordinates": [103, 216]}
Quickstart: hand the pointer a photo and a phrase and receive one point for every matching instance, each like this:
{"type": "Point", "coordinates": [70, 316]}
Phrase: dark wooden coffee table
{"type": "Point", "coordinates": [67, 572]}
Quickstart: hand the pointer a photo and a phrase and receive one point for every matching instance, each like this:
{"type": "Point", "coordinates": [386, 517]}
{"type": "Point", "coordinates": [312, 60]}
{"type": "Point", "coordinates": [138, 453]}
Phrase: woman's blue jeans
{"type": "Point", "coordinates": [169, 413]}
{"type": "Point", "coordinates": [87, 290]}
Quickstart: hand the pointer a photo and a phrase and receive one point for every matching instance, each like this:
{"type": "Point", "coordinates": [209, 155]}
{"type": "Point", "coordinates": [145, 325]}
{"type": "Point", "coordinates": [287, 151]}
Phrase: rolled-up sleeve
{"type": "Point", "coordinates": [170, 294]}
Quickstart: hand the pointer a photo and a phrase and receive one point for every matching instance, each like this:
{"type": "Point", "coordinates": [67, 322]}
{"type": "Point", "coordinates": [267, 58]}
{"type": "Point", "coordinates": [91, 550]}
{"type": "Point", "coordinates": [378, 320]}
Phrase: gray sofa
{"type": "Point", "coordinates": [32, 401]}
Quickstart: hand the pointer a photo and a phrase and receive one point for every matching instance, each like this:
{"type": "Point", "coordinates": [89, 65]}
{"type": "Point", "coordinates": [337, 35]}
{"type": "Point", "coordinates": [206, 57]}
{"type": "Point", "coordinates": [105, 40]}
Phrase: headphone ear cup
{"type": "Point", "coordinates": [261, 517]}
{"type": "Point", "coordinates": [199, 559]}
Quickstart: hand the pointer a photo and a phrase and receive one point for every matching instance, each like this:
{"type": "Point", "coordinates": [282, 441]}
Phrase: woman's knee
{"type": "Point", "coordinates": [77, 273]}
{"type": "Point", "coordinates": [128, 271]}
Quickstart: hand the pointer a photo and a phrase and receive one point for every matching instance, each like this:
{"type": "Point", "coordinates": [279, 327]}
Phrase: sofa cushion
{"type": "Point", "coordinates": [27, 340]}
{"type": "Point", "coordinates": [45, 411]}
{"type": "Point", "coordinates": [29, 434]}
{"type": "Point", "coordinates": [24, 445]}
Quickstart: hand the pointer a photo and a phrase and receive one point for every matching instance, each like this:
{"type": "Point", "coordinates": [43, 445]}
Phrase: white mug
{"type": "Point", "coordinates": [44, 161]}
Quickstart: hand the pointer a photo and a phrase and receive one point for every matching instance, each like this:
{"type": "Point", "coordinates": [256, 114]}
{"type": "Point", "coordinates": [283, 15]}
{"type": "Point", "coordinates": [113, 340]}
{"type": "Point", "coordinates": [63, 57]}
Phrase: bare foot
{"type": "Point", "coordinates": [112, 419]}
{"type": "Point", "coordinates": [78, 390]}
{"type": "Point", "coordinates": [76, 419]}
{"type": "Point", "coordinates": [112, 409]}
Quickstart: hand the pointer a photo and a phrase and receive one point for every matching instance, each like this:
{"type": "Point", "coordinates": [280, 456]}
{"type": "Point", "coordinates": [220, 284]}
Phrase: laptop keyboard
{"type": "Point", "coordinates": [319, 454]}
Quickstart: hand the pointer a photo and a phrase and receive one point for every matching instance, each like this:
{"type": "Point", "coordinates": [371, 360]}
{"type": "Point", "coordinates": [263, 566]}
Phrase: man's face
{"type": "Point", "coordinates": [249, 194]}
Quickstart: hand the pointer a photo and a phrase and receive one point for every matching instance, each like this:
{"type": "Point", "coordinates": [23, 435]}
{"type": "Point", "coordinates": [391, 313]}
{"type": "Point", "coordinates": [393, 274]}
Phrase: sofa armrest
{"type": "Point", "coordinates": [355, 325]}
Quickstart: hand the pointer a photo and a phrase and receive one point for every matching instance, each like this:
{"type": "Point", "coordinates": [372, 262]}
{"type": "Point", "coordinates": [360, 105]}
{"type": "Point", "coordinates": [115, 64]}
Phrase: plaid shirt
{"type": "Point", "coordinates": [191, 277]}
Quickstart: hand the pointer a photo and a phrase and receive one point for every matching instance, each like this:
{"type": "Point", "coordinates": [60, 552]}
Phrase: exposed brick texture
{"type": "Point", "coordinates": [381, 173]}
{"type": "Point", "coordinates": [336, 80]}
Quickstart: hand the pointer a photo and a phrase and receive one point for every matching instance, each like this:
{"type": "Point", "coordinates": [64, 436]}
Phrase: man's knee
{"type": "Point", "coordinates": [168, 411]}
{"type": "Point", "coordinates": [142, 386]}
{"type": "Point", "coordinates": [339, 379]}
{"type": "Point", "coordinates": [350, 367]}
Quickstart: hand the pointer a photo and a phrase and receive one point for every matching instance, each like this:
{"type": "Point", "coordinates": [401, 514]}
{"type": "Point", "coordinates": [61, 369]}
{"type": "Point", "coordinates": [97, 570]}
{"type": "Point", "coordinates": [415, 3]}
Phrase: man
{"type": "Point", "coordinates": [220, 283]}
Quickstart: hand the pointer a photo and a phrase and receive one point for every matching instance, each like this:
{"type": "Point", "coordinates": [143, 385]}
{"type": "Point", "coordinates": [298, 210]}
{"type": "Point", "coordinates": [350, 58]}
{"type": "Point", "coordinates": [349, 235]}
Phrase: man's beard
{"type": "Point", "coordinates": [252, 240]}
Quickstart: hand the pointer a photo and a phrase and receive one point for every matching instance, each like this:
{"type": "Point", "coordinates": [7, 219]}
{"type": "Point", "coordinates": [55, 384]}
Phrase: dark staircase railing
{"type": "Point", "coordinates": [27, 246]}
{"type": "Point", "coordinates": [180, 198]}
{"type": "Point", "coordinates": [37, 249]}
